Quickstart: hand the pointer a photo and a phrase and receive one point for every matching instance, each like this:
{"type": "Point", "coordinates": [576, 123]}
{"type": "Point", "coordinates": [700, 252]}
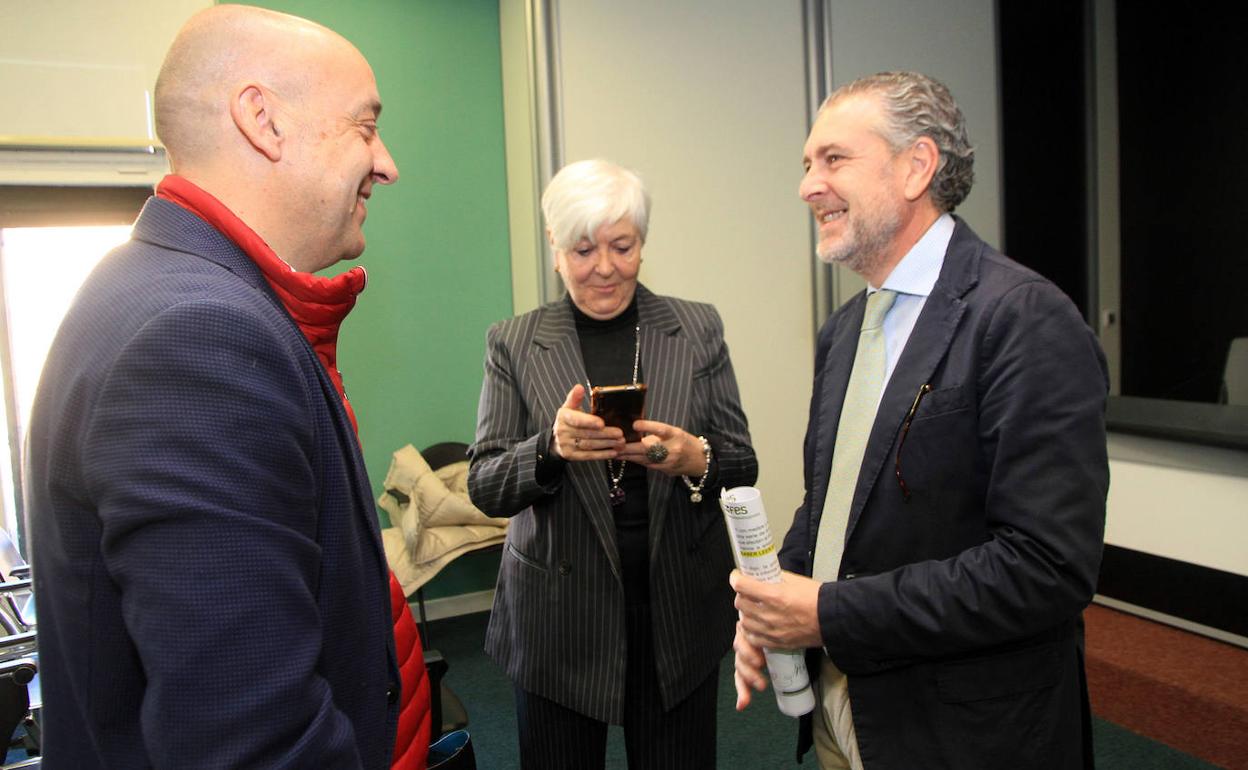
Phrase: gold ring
{"type": "Point", "coordinates": [576, 443]}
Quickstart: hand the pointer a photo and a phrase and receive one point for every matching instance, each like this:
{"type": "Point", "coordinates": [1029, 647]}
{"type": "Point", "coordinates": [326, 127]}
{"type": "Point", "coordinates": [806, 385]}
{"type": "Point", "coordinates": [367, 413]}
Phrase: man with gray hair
{"type": "Point", "coordinates": [211, 586]}
{"type": "Point", "coordinates": [955, 469]}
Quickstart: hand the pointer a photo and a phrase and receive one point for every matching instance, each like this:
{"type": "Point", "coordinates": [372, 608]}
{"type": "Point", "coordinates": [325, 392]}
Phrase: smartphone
{"type": "Point", "coordinates": [619, 406]}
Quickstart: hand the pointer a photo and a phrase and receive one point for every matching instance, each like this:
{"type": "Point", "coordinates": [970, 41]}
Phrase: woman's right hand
{"type": "Point", "coordinates": [578, 436]}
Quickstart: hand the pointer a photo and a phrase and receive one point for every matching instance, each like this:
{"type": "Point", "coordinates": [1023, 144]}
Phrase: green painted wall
{"type": "Point", "coordinates": [439, 268]}
{"type": "Point", "coordinates": [438, 259]}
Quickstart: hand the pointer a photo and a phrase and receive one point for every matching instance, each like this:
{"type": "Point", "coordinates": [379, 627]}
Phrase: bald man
{"type": "Point", "coordinates": [211, 586]}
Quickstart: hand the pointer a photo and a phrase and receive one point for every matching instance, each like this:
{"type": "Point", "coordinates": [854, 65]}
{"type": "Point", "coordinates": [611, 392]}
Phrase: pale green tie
{"type": "Point", "coordinates": [862, 399]}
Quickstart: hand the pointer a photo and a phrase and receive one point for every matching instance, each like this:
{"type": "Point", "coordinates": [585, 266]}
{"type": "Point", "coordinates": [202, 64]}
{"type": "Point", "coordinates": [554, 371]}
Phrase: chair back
{"type": "Point", "coordinates": [1235, 374]}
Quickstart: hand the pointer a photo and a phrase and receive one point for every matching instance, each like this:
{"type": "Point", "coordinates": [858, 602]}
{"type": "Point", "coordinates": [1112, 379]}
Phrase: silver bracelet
{"type": "Point", "coordinates": [695, 490]}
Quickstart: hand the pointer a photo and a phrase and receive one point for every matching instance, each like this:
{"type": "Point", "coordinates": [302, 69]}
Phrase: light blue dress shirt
{"type": "Point", "coordinates": [912, 279]}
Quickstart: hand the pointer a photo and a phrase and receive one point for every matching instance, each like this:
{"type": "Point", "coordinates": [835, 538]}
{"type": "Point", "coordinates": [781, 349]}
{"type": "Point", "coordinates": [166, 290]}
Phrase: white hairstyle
{"type": "Point", "coordinates": [588, 194]}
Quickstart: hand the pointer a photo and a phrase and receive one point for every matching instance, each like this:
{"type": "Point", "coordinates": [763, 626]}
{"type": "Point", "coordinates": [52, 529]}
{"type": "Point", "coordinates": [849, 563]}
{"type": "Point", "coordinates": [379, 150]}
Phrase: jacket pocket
{"type": "Point", "coordinates": [1004, 710]}
{"type": "Point", "coordinates": [525, 559]}
{"type": "Point", "coordinates": [943, 401]}
{"type": "Point", "coordinates": [1010, 673]}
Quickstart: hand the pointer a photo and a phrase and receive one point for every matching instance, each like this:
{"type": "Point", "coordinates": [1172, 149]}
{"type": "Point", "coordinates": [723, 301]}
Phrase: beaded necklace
{"type": "Point", "coordinates": [613, 475]}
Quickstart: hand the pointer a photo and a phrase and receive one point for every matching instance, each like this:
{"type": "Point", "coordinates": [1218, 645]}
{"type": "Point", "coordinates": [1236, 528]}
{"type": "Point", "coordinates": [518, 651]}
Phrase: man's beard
{"type": "Point", "coordinates": [869, 238]}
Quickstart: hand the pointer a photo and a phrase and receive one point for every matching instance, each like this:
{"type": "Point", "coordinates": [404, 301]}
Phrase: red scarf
{"type": "Point", "coordinates": [317, 304]}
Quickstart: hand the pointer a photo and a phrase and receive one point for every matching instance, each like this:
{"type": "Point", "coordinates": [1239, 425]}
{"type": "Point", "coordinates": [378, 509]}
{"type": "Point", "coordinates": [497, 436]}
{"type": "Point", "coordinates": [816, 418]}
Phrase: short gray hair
{"type": "Point", "coordinates": [915, 105]}
{"type": "Point", "coordinates": [588, 194]}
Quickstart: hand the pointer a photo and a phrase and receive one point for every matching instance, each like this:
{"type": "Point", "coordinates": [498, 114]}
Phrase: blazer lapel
{"type": "Point", "coordinates": [557, 366]}
{"type": "Point", "coordinates": [927, 346]}
{"type": "Point", "coordinates": [667, 365]}
{"type": "Point", "coordinates": [838, 363]}
{"type": "Point", "coordinates": [168, 225]}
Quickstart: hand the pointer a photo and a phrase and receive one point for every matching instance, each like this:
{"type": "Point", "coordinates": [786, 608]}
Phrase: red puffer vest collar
{"type": "Point", "coordinates": [318, 305]}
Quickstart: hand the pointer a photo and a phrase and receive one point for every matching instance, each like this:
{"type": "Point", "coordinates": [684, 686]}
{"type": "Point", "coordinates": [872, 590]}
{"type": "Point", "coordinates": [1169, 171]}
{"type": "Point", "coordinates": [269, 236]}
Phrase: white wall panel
{"type": "Point", "coordinates": [75, 69]}
{"type": "Point", "coordinates": [1181, 501]}
{"type": "Point", "coordinates": [954, 41]}
{"type": "Point", "coordinates": [705, 98]}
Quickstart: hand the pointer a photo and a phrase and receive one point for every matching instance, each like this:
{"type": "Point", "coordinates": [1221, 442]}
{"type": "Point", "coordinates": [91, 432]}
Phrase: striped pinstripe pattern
{"type": "Point", "coordinates": [557, 626]}
{"type": "Point", "coordinates": [683, 738]}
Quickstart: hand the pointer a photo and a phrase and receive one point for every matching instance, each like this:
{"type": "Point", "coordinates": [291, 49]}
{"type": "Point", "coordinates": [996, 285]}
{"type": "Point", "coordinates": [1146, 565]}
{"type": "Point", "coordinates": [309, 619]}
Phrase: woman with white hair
{"type": "Point", "coordinates": [613, 604]}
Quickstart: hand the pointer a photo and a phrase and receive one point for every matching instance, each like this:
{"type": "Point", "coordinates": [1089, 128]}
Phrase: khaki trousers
{"type": "Point", "coordinates": [836, 744]}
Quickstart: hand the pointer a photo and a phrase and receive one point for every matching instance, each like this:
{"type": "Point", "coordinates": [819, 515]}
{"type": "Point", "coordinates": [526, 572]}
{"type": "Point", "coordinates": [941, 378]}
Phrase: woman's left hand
{"type": "Point", "coordinates": [684, 451]}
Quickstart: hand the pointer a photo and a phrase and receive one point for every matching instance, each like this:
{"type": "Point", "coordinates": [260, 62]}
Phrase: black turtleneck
{"type": "Point", "coordinates": [609, 348]}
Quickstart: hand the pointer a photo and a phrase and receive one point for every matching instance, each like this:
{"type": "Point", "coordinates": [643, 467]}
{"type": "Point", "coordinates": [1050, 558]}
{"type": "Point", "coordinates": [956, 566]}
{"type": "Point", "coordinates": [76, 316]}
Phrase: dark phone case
{"type": "Point", "coordinates": [619, 406]}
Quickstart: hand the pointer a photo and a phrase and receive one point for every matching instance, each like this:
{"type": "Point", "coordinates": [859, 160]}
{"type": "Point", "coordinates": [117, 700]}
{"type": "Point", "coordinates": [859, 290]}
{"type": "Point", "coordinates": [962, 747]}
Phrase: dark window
{"type": "Point", "coordinates": [1182, 112]}
{"type": "Point", "coordinates": [1182, 108]}
{"type": "Point", "coordinates": [1043, 142]}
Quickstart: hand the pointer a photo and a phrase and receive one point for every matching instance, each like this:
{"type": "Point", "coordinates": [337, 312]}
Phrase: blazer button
{"type": "Point", "coordinates": [392, 694]}
{"type": "Point", "coordinates": [565, 567]}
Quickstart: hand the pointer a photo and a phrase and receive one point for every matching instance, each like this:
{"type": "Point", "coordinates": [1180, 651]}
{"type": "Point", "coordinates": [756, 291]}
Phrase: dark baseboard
{"type": "Point", "coordinates": [1197, 594]}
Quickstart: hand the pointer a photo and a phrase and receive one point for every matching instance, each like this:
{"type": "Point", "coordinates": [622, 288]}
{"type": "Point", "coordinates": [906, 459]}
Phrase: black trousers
{"type": "Point", "coordinates": [553, 737]}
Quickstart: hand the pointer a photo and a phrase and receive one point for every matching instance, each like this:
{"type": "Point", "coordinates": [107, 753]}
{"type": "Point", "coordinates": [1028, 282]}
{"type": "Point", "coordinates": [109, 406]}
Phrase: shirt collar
{"type": "Point", "coordinates": [918, 270]}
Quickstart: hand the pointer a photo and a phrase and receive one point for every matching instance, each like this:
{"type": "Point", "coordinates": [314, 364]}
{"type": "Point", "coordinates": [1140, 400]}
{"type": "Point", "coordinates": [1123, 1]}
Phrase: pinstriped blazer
{"type": "Point", "coordinates": [557, 626]}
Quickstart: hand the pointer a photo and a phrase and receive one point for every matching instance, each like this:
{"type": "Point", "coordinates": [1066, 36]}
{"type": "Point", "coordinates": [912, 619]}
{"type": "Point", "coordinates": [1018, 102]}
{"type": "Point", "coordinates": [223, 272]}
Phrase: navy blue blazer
{"type": "Point", "coordinates": [209, 576]}
{"type": "Point", "coordinates": [957, 613]}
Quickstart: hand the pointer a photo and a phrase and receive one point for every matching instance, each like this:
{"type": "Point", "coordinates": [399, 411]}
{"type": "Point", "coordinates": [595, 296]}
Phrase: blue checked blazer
{"type": "Point", "coordinates": [557, 627]}
{"type": "Point", "coordinates": [209, 576]}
